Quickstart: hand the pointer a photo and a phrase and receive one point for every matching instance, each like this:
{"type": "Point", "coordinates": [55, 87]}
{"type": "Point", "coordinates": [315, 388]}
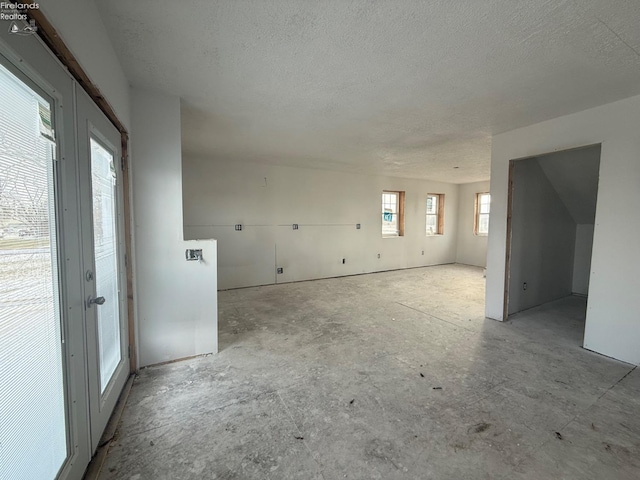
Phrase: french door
{"type": "Point", "coordinates": [33, 400]}
{"type": "Point", "coordinates": [101, 206]}
{"type": "Point", "coordinates": [63, 325]}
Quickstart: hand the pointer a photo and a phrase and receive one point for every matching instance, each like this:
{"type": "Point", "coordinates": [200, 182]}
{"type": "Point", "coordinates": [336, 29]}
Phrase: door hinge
{"type": "Point", "coordinates": [126, 263]}
{"type": "Point", "coordinates": [122, 163]}
{"type": "Point", "coordinates": [129, 351]}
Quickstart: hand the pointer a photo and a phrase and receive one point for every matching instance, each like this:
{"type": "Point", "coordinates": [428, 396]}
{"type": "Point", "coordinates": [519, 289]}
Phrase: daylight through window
{"type": "Point", "coordinates": [483, 205]}
{"type": "Point", "coordinates": [392, 214]}
{"type": "Point", "coordinates": [435, 214]}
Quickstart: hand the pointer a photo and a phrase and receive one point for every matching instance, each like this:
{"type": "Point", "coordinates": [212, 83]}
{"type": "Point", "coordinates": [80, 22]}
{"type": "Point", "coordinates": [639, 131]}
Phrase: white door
{"type": "Point", "coordinates": [101, 203]}
{"type": "Point", "coordinates": [33, 420]}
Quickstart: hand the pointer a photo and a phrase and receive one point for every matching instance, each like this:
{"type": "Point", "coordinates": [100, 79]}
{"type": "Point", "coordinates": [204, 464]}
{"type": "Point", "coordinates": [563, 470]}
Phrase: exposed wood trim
{"type": "Point", "coordinates": [476, 207]}
{"type": "Point", "coordinates": [191, 357]}
{"type": "Point", "coordinates": [401, 214]}
{"type": "Point", "coordinates": [133, 356]}
{"type": "Point", "coordinates": [440, 213]}
{"type": "Point", "coordinates": [50, 37]}
{"type": "Point", "coordinates": [507, 263]}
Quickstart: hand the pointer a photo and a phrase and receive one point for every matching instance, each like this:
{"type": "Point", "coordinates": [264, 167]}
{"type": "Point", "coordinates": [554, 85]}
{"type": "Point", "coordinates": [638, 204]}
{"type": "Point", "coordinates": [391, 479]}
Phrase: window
{"type": "Point", "coordinates": [392, 214]}
{"type": "Point", "coordinates": [483, 205]}
{"type": "Point", "coordinates": [435, 214]}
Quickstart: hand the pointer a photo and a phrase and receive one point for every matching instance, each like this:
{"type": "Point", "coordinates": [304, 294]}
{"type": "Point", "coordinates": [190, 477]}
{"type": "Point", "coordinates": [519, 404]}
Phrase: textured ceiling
{"type": "Point", "coordinates": [410, 88]}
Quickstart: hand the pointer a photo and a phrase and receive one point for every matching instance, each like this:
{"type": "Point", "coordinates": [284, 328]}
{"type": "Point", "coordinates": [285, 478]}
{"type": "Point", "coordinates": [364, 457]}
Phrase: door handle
{"type": "Point", "coordinates": [96, 301]}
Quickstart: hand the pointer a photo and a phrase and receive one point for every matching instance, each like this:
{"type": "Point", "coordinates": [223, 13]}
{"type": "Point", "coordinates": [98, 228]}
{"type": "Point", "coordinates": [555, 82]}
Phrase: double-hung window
{"type": "Point", "coordinates": [392, 214]}
{"type": "Point", "coordinates": [483, 206]}
{"type": "Point", "coordinates": [435, 214]}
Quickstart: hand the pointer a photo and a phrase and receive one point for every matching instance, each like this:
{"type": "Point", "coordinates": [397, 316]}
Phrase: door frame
{"type": "Point", "coordinates": [44, 62]}
{"type": "Point", "coordinates": [510, 187]}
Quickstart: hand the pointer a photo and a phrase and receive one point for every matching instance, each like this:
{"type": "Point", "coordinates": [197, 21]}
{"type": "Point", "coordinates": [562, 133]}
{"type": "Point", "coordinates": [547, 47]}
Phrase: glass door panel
{"type": "Point", "coordinates": [105, 247]}
{"type": "Point", "coordinates": [33, 423]}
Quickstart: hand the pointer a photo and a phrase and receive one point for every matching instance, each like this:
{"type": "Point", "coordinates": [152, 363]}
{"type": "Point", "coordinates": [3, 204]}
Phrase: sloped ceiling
{"type": "Point", "coordinates": [410, 88]}
{"type": "Point", "coordinates": [574, 175]}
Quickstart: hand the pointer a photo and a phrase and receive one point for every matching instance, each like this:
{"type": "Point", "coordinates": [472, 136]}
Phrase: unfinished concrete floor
{"type": "Point", "coordinates": [384, 376]}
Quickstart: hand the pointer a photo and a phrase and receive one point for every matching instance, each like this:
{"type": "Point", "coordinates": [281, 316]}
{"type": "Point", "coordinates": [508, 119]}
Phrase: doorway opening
{"type": "Point", "coordinates": [550, 226]}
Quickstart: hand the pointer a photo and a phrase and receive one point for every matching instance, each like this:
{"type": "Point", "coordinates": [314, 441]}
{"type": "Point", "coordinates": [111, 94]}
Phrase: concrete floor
{"type": "Point", "coordinates": [384, 376]}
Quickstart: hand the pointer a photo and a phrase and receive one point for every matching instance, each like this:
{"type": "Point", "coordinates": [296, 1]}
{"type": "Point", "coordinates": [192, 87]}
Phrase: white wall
{"type": "Point", "coordinates": [542, 240]}
{"type": "Point", "coordinates": [327, 205]}
{"type": "Point", "coordinates": [613, 323]}
{"type": "Point", "coordinates": [582, 259]}
{"type": "Point", "coordinates": [79, 25]}
{"type": "Point", "coordinates": [471, 248]}
{"type": "Point", "coordinates": [176, 300]}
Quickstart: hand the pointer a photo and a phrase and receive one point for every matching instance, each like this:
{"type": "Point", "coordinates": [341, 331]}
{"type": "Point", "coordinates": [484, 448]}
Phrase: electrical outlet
{"type": "Point", "coordinates": [357, 226]}
{"type": "Point", "coordinates": [423, 252]}
{"type": "Point", "coordinates": [192, 255]}
{"type": "Point", "coordinates": [344, 260]}
{"type": "Point", "coordinates": [295, 226]}
{"type": "Point", "coordinates": [280, 270]}
{"type": "Point", "coordinates": [238, 227]}
{"type": "Point", "coordinates": [524, 286]}
{"type": "Point", "coordinates": [378, 255]}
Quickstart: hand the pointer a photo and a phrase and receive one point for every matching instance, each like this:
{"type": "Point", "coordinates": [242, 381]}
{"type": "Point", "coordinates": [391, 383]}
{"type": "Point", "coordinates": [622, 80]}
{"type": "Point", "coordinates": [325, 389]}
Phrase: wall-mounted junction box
{"type": "Point", "coordinates": [193, 254]}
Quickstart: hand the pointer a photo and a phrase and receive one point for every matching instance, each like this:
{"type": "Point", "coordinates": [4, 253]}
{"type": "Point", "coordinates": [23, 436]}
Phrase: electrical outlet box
{"type": "Point", "coordinates": [193, 254]}
{"type": "Point", "coordinates": [295, 226]}
{"type": "Point", "coordinates": [280, 270]}
{"type": "Point", "coordinates": [238, 227]}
